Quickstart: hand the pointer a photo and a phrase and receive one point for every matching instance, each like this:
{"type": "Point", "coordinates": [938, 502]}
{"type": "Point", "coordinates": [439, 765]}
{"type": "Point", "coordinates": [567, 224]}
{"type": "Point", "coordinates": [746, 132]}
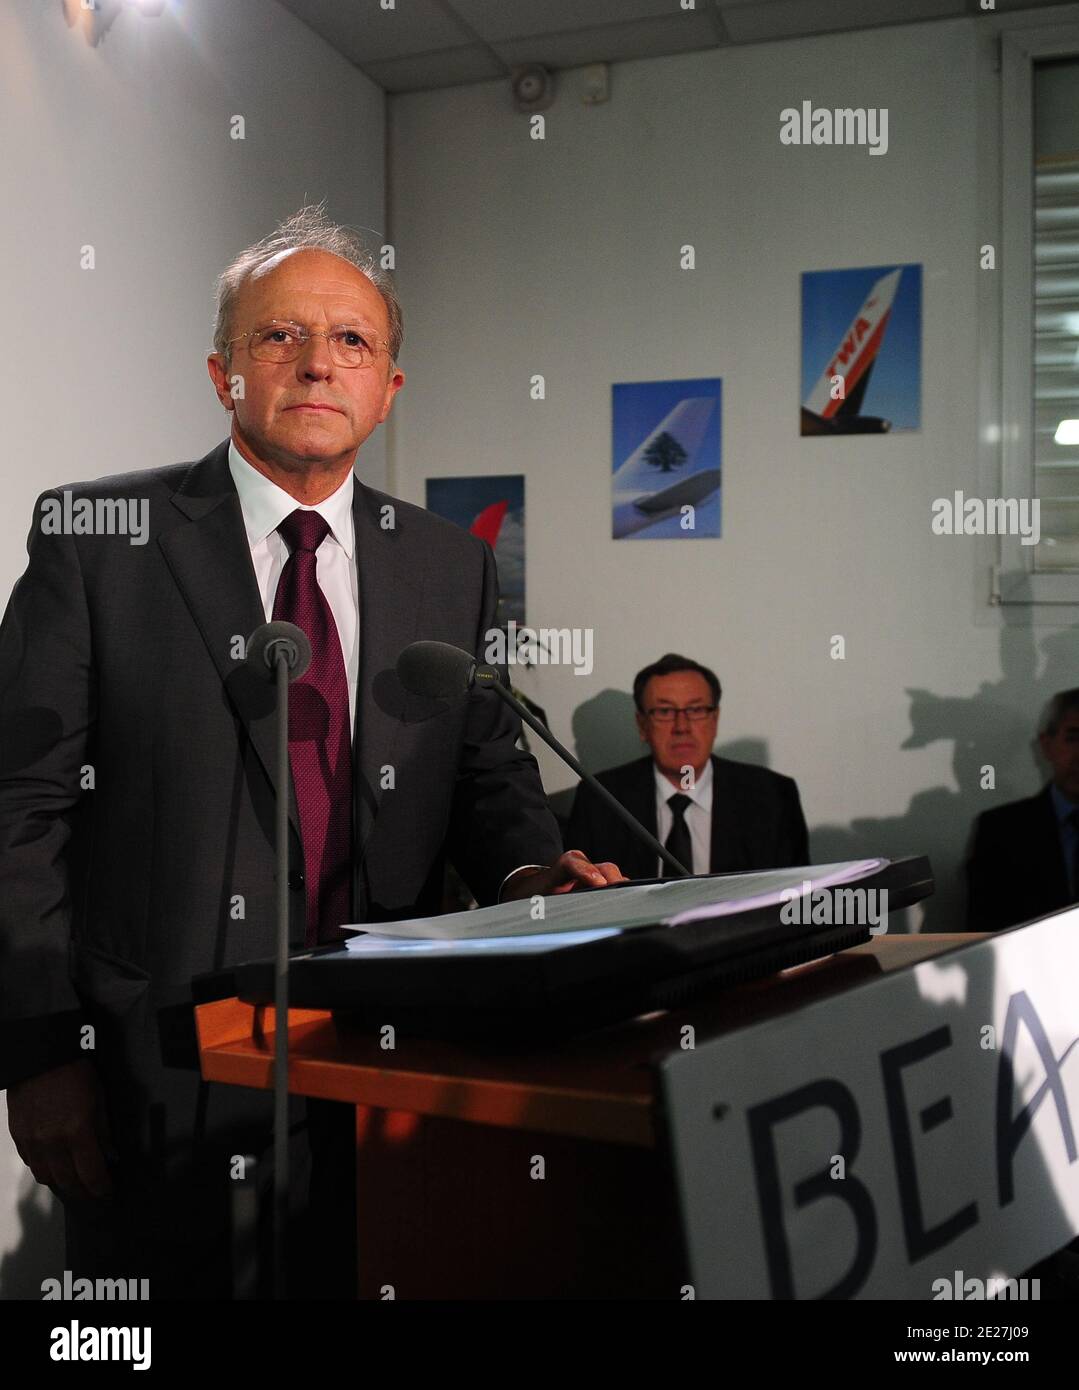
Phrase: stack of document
{"type": "Point", "coordinates": [588, 916]}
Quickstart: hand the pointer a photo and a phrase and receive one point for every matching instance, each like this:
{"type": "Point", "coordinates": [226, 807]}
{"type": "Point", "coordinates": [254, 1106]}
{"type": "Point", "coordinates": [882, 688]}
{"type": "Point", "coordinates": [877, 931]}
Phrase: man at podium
{"type": "Point", "coordinates": [137, 792]}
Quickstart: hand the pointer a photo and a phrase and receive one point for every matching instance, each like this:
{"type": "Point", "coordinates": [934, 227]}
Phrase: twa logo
{"type": "Point", "coordinates": [859, 345]}
{"type": "Point", "coordinates": [860, 330]}
{"type": "Point", "coordinates": [834, 406]}
{"type": "Point", "coordinates": [862, 327]}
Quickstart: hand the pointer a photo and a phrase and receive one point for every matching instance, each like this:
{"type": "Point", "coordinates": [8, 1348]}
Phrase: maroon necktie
{"type": "Point", "coordinates": [319, 736]}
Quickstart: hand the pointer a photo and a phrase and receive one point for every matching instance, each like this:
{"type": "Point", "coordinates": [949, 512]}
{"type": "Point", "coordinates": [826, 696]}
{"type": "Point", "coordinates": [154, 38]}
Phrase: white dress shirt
{"type": "Point", "coordinates": [265, 506]}
{"type": "Point", "coordinates": [698, 818]}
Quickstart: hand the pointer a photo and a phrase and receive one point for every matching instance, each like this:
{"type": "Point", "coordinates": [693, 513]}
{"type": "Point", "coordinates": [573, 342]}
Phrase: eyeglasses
{"type": "Point", "coordinates": [664, 714]}
{"type": "Point", "coordinates": [282, 341]}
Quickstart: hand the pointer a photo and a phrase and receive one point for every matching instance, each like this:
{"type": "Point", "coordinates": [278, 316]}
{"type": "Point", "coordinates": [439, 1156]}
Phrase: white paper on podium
{"type": "Point", "coordinates": [385, 946]}
{"type": "Point", "coordinates": [619, 909]}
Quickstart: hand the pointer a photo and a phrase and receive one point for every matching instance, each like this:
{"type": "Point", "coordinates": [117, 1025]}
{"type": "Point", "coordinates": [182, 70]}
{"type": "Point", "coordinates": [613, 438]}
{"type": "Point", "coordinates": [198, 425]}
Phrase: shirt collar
{"type": "Point", "coordinates": [265, 505]}
{"type": "Point", "coordinates": [1061, 805]}
{"type": "Point", "coordinates": [701, 793]}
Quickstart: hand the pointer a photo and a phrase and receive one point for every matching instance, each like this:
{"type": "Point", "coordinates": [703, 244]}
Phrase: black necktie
{"type": "Point", "coordinates": [678, 842]}
{"type": "Point", "coordinates": [1074, 866]}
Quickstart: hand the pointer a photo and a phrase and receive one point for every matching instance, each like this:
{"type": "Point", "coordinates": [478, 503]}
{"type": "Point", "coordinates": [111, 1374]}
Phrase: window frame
{"type": "Point", "coordinates": [1016, 580]}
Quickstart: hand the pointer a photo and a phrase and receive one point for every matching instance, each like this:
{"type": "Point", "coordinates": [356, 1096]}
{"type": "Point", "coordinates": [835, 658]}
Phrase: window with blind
{"type": "Point", "coordinates": [1035, 416]}
{"type": "Point", "coordinates": [1055, 442]}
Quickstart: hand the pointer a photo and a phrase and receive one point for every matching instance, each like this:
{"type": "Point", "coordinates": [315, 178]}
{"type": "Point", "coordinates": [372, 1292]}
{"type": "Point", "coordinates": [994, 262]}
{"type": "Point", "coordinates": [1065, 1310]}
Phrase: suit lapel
{"type": "Point", "coordinates": [641, 800]}
{"type": "Point", "coordinates": [727, 848]}
{"type": "Point", "coordinates": [210, 560]}
{"type": "Point", "coordinates": [390, 587]}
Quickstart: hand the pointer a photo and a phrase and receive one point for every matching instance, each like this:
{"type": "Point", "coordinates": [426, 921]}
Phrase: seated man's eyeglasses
{"type": "Point", "coordinates": [663, 714]}
{"type": "Point", "coordinates": [281, 340]}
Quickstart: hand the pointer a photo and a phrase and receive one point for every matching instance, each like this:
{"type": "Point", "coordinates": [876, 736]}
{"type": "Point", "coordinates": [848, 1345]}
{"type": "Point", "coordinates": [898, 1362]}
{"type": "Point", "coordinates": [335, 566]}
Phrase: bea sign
{"type": "Point", "coordinates": [872, 1143]}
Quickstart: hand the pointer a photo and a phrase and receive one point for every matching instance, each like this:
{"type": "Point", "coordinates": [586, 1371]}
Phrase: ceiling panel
{"type": "Point", "coordinates": [421, 72]}
{"type": "Point", "coordinates": [499, 20]}
{"type": "Point", "coordinates": [426, 44]}
{"type": "Point", "coordinates": [614, 42]}
{"type": "Point", "coordinates": [366, 33]}
{"type": "Point", "coordinates": [784, 19]}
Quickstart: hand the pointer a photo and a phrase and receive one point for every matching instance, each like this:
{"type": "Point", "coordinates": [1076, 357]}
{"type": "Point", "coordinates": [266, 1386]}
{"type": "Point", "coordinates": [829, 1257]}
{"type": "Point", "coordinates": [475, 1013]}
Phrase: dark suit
{"type": "Point", "coordinates": [757, 820]}
{"type": "Point", "coordinates": [123, 658]}
{"type": "Point", "coordinates": [1016, 870]}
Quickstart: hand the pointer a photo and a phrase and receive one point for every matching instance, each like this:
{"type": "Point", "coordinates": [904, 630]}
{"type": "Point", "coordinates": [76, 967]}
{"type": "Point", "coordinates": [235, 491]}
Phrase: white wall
{"type": "Point", "coordinates": [561, 257]}
{"type": "Point", "coordinates": [126, 147]}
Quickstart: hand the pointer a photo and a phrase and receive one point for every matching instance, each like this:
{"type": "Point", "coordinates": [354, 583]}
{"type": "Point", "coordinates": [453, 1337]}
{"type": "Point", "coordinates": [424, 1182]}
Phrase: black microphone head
{"type": "Point", "coordinates": [266, 641]}
{"type": "Point", "coordinates": [435, 669]}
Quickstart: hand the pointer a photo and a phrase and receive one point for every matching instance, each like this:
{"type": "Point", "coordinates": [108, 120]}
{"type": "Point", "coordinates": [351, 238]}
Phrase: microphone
{"type": "Point", "coordinates": [440, 671]}
{"type": "Point", "coordinates": [436, 669]}
{"type": "Point", "coordinates": [280, 652]}
{"type": "Point", "coordinates": [271, 640]}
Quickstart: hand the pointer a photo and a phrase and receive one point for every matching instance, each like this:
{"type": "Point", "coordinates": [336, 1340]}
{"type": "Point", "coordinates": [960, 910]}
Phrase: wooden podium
{"type": "Point", "coordinates": [527, 1172]}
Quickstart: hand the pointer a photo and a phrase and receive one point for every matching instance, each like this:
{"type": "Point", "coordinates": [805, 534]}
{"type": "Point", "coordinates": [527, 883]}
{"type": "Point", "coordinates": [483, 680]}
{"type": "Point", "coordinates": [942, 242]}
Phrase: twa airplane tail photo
{"type": "Point", "coordinates": [834, 405]}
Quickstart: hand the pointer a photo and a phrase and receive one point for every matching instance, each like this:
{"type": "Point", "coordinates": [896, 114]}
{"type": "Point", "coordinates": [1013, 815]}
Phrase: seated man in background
{"type": "Point", "coordinates": [714, 815]}
{"type": "Point", "coordinates": [1025, 857]}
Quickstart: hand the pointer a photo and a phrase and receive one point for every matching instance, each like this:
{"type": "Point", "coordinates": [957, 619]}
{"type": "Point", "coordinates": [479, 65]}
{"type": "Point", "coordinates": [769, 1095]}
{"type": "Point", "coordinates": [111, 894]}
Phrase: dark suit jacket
{"type": "Point", "coordinates": [757, 820]}
{"type": "Point", "coordinates": [122, 659]}
{"type": "Point", "coordinates": [1016, 869]}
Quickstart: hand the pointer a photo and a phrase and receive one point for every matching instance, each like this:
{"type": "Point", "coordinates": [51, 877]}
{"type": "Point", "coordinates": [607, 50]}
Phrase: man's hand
{"type": "Point", "coordinates": [59, 1126]}
{"type": "Point", "coordinates": [570, 870]}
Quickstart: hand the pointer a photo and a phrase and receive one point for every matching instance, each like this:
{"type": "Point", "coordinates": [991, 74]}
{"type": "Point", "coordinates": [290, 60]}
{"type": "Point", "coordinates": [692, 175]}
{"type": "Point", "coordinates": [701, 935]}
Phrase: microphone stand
{"type": "Point", "coordinates": [280, 652]}
{"type": "Point", "coordinates": [280, 1056]}
{"type": "Point", "coordinates": [489, 676]}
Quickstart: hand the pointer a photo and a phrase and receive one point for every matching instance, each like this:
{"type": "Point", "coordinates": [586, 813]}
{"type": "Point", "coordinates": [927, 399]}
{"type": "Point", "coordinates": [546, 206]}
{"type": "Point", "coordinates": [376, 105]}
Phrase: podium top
{"type": "Point", "coordinates": [519, 990]}
{"type": "Point", "coordinates": [599, 1086]}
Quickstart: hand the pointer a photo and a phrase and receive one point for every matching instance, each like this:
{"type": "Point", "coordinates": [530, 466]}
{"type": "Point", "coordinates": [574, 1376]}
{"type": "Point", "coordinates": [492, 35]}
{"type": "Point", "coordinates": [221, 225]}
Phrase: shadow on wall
{"type": "Point", "coordinates": [995, 728]}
